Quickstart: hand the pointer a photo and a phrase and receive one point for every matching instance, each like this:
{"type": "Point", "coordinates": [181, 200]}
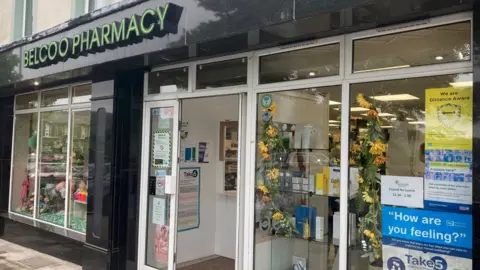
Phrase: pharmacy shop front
{"type": "Point", "coordinates": [348, 152]}
{"type": "Point", "coordinates": [311, 137]}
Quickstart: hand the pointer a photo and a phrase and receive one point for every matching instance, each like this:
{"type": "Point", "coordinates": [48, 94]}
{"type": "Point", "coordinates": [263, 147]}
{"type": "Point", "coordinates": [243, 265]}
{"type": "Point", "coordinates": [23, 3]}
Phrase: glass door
{"type": "Point", "coordinates": [158, 202]}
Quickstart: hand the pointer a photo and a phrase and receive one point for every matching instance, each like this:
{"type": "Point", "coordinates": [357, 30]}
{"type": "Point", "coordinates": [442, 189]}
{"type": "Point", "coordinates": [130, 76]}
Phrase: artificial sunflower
{"type": "Point", "coordinates": [271, 131]}
{"type": "Point", "coordinates": [379, 160]}
{"type": "Point", "coordinates": [366, 197]}
{"type": "Point", "coordinates": [266, 156]}
{"type": "Point", "coordinates": [377, 148]}
{"type": "Point", "coordinates": [273, 109]}
{"type": "Point", "coordinates": [277, 216]}
{"type": "Point", "coordinates": [266, 199]}
{"type": "Point", "coordinates": [356, 148]}
{"type": "Point", "coordinates": [263, 147]}
{"type": "Point", "coordinates": [336, 138]}
{"type": "Point", "coordinates": [362, 101]}
{"type": "Point", "coordinates": [372, 113]}
{"type": "Point", "coordinates": [273, 174]}
{"type": "Point", "coordinates": [352, 161]}
{"type": "Point", "coordinates": [359, 179]}
{"type": "Point", "coordinates": [263, 188]}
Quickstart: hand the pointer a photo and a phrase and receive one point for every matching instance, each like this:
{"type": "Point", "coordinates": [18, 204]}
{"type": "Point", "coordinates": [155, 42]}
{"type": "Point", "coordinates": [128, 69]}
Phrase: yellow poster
{"type": "Point", "coordinates": [448, 118]}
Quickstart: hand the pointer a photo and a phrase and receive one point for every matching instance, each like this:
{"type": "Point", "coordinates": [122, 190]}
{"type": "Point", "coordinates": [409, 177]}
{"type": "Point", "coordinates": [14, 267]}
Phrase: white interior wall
{"type": "Point", "coordinates": [216, 234]}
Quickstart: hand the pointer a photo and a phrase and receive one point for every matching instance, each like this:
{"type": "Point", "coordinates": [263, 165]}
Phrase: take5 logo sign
{"type": "Point", "coordinates": [417, 262]}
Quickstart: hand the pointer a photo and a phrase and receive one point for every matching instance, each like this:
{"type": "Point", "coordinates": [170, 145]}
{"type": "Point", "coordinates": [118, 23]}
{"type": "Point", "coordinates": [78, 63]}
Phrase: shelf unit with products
{"type": "Point", "coordinates": [229, 155]}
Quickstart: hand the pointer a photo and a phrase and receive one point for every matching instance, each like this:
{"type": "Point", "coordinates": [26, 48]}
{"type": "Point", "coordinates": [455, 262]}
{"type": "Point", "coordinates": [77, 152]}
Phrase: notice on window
{"type": "Point", "coordinates": [160, 176]}
{"type": "Point", "coordinates": [421, 239]}
{"type": "Point", "coordinates": [158, 211]}
{"type": "Point", "coordinates": [161, 152]}
{"type": "Point", "coordinates": [189, 199]}
{"type": "Point", "coordinates": [448, 149]}
{"type": "Point", "coordinates": [402, 191]}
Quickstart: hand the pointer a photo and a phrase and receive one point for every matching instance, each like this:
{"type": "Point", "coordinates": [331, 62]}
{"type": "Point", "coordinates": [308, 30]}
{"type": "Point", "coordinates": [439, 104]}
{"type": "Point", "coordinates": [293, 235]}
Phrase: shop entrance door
{"type": "Point", "coordinates": [158, 194]}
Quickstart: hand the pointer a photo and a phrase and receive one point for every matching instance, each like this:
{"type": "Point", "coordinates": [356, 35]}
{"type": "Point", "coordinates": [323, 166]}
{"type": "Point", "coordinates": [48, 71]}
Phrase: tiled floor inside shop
{"type": "Point", "coordinates": [211, 263]}
{"type": "Point", "coordinates": [15, 257]}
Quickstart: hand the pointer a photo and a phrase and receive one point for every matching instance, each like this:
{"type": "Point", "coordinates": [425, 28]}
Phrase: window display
{"type": "Point", "coordinates": [297, 175]}
{"type": "Point", "coordinates": [61, 162]}
{"type": "Point", "coordinates": [414, 161]}
{"type": "Point", "coordinates": [24, 169]}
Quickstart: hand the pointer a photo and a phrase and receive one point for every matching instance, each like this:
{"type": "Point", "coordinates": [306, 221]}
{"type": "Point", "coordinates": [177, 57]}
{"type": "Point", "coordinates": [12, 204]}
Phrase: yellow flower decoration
{"type": "Point", "coordinates": [362, 101]}
{"type": "Point", "coordinates": [377, 148]}
{"type": "Point", "coordinates": [271, 132]}
{"type": "Point", "coordinates": [263, 188]}
{"type": "Point", "coordinates": [262, 147]}
{"type": "Point", "coordinates": [366, 197]}
{"type": "Point", "coordinates": [379, 160]}
{"type": "Point", "coordinates": [266, 199]}
{"type": "Point", "coordinates": [359, 179]}
{"type": "Point", "coordinates": [372, 113]}
{"type": "Point", "coordinates": [356, 148]}
{"type": "Point", "coordinates": [266, 156]}
{"type": "Point", "coordinates": [336, 138]}
{"type": "Point", "coordinates": [273, 174]}
{"type": "Point", "coordinates": [352, 161]}
{"type": "Point", "coordinates": [367, 232]}
{"type": "Point", "coordinates": [277, 216]}
{"type": "Point", "coordinates": [273, 109]}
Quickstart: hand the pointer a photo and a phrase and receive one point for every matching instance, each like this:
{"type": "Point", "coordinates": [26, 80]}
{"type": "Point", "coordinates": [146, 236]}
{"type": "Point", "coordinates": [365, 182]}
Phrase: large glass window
{"type": "Point", "coordinates": [300, 64]}
{"type": "Point", "coordinates": [222, 74]}
{"type": "Point", "coordinates": [412, 147]}
{"type": "Point", "coordinates": [297, 200]}
{"type": "Point", "coordinates": [60, 157]}
{"type": "Point", "coordinates": [168, 81]}
{"type": "Point", "coordinates": [24, 161]}
{"type": "Point", "coordinates": [435, 45]}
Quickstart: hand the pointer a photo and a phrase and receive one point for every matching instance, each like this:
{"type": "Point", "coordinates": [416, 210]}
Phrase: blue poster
{"type": "Point", "coordinates": [422, 239]}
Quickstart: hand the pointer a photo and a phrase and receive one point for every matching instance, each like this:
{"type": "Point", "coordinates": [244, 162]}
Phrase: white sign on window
{"type": "Point", "coordinates": [402, 191]}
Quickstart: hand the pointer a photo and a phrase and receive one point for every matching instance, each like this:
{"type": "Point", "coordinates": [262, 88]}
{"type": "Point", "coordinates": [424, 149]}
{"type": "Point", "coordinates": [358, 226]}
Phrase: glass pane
{"type": "Point", "coordinates": [28, 101]}
{"type": "Point", "coordinates": [222, 74]}
{"type": "Point", "coordinates": [44, 9]}
{"type": "Point", "coordinates": [297, 199]}
{"type": "Point", "coordinates": [54, 97]}
{"type": "Point", "coordinates": [300, 64]}
{"type": "Point", "coordinates": [442, 44]}
{"type": "Point", "coordinates": [168, 81]}
{"type": "Point", "coordinates": [412, 148]}
{"type": "Point", "coordinates": [79, 142]}
{"type": "Point", "coordinates": [82, 93]}
{"type": "Point", "coordinates": [52, 166]}
{"type": "Point", "coordinates": [24, 158]}
{"type": "Point", "coordinates": [158, 231]}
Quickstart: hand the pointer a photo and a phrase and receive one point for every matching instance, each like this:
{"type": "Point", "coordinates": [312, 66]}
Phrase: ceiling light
{"type": "Point", "coordinates": [334, 121]}
{"type": "Point", "coordinates": [333, 125]}
{"type": "Point", "coordinates": [417, 123]}
{"type": "Point", "coordinates": [311, 74]}
{"type": "Point", "coordinates": [397, 97]}
{"type": "Point", "coordinates": [36, 83]}
{"type": "Point", "coordinates": [386, 126]}
{"type": "Point", "coordinates": [331, 102]}
{"type": "Point", "coordinates": [462, 84]}
{"type": "Point", "coordinates": [408, 119]}
{"type": "Point", "coordinates": [385, 68]}
{"type": "Point", "coordinates": [358, 109]}
{"type": "Point", "coordinates": [439, 58]}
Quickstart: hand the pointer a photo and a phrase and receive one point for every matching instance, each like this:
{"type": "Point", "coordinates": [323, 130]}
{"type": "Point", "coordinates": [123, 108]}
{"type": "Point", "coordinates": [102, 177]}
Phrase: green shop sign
{"type": "Point", "coordinates": [152, 23]}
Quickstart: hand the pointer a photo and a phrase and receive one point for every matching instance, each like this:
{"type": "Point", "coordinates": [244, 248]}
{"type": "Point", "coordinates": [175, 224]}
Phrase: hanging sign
{"type": "Point", "coordinates": [402, 191]}
{"type": "Point", "coordinates": [153, 22]}
{"type": "Point", "coordinates": [448, 149]}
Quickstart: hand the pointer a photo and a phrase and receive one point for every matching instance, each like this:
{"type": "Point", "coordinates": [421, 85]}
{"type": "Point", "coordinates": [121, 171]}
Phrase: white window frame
{"type": "Point", "coordinates": [70, 107]}
{"type": "Point", "coordinates": [344, 79]}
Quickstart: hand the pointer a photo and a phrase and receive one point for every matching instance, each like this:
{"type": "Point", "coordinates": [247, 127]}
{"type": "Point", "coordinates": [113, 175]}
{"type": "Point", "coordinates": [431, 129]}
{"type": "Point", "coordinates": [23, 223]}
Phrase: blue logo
{"type": "Point", "coordinates": [395, 263]}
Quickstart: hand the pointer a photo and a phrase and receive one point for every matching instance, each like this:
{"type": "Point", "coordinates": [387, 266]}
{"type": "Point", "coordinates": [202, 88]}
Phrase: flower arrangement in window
{"type": "Point", "coordinates": [369, 155]}
{"type": "Point", "coordinates": [271, 148]}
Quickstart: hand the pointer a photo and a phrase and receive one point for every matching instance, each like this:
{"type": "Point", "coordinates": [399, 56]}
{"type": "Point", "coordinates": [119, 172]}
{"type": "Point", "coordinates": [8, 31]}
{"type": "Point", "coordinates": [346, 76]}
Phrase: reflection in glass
{"type": "Point", "coordinates": [54, 97]}
{"type": "Point", "coordinates": [24, 158]}
{"type": "Point", "coordinates": [222, 74]}
{"type": "Point", "coordinates": [398, 145]}
{"type": "Point", "coordinates": [52, 165]}
{"type": "Point", "coordinates": [82, 93]}
{"type": "Point", "coordinates": [300, 64]}
{"type": "Point", "coordinates": [158, 231]}
{"type": "Point", "coordinates": [27, 101]}
{"type": "Point", "coordinates": [79, 142]}
{"type": "Point", "coordinates": [168, 81]}
{"type": "Point", "coordinates": [298, 179]}
{"type": "Point", "coordinates": [435, 45]}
